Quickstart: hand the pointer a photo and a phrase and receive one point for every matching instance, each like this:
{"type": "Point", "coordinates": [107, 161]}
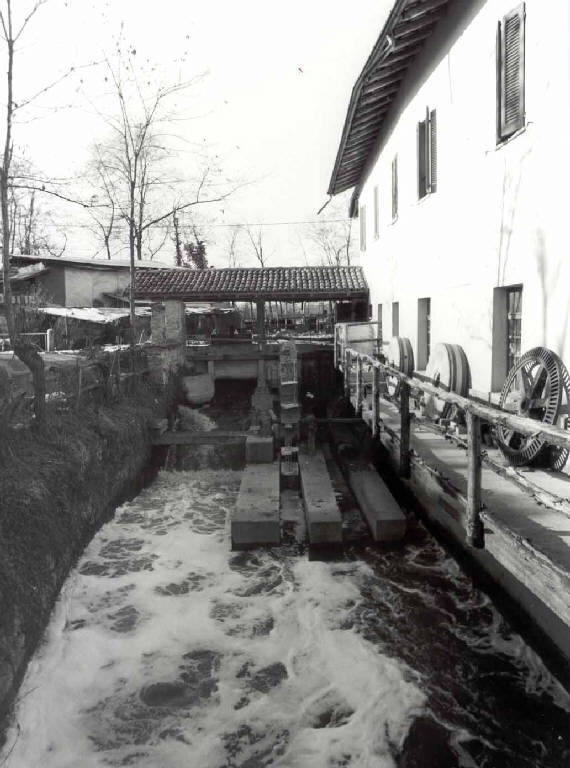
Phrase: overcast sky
{"type": "Point", "coordinates": [270, 106]}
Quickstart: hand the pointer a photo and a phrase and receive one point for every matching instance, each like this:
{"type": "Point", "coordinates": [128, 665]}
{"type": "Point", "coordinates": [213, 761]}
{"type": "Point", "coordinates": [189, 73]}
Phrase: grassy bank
{"type": "Point", "coordinates": [57, 485]}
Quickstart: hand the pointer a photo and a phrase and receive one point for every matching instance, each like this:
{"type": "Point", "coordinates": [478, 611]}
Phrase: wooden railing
{"type": "Point", "coordinates": [475, 413]}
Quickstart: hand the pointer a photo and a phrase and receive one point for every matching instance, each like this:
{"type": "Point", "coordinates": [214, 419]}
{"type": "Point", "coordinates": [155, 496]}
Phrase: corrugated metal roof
{"type": "Point", "coordinates": [410, 23]}
{"type": "Point", "coordinates": [270, 283]}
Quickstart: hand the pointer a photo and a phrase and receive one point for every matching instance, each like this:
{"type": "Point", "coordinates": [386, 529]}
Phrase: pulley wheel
{"type": "Point", "coordinates": [400, 355]}
{"type": "Point", "coordinates": [448, 369]}
{"type": "Point", "coordinates": [537, 387]}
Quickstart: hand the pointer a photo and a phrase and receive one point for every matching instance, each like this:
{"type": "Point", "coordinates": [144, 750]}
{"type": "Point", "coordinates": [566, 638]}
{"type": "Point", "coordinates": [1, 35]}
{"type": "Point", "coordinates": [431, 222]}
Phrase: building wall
{"type": "Point", "coordinates": [500, 214]}
{"type": "Point", "coordinates": [52, 286]}
{"type": "Point", "coordinates": [83, 286]}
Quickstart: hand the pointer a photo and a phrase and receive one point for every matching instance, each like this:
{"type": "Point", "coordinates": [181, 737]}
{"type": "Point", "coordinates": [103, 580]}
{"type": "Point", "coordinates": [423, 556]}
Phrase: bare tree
{"type": "Point", "coordinates": [133, 162]}
{"type": "Point", "coordinates": [232, 243]}
{"type": "Point", "coordinates": [333, 240]}
{"type": "Point", "coordinates": [256, 240]}
{"type": "Point", "coordinates": [27, 353]}
{"type": "Point", "coordinates": [332, 237]}
{"type": "Point", "coordinates": [12, 181]}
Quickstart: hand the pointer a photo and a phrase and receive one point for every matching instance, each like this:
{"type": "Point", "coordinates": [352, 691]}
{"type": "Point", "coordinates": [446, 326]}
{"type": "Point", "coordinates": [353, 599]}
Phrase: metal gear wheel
{"type": "Point", "coordinates": [537, 387]}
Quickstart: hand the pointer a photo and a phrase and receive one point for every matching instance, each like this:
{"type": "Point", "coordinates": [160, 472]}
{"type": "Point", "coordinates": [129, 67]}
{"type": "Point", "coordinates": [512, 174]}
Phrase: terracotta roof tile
{"type": "Point", "coordinates": [295, 283]}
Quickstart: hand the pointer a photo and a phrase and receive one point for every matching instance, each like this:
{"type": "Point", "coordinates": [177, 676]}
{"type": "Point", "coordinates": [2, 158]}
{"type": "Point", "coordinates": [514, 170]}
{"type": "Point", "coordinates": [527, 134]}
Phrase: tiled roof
{"type": "Point", "coordinates": [271, 283]}
{"type": "Point", "coordinates": [409, 25]}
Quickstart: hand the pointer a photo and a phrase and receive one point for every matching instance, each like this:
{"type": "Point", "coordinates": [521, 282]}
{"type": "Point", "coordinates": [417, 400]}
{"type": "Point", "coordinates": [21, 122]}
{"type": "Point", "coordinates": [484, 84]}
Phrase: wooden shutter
{"type": "Point", "coordinates": [395, 188]}
{"type": "Point", "coordinates": [432, 151]}
{"type": "Point", "coordinates": [362, 215]}
{"type": "Point", "coordinates": [376, 213]}
{"type": "Point", "coordinates": [422, 180]}
{"type": "Point", "coordinates": [511, 72]}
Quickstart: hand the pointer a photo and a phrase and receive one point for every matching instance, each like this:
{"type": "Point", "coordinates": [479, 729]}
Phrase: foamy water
{"type": "Point", "coordinates": [166, 650]}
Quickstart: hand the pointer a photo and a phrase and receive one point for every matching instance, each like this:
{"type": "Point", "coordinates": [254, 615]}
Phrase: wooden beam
{"type": "Point", "coordinates": [404, 430]}
{"type": "Point", "coordinates": [498, 417]}
{"type": "Point", "coordinates": [417, 10]}
{"type": "Point", "coordinates": [375, 401]}
{"type": "Point", "coordinates": [214, 437]}
{"type": "Point", "coordinates": [475, 531]}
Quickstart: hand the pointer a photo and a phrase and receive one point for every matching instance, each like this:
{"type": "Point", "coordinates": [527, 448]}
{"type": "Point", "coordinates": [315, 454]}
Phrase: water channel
{"type": "Point", "coordinates": [167, 650]}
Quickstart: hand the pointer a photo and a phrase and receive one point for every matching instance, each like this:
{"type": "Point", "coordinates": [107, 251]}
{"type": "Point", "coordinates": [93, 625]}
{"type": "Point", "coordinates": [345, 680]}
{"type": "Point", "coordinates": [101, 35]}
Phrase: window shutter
{"type": "Point", "coordinates": [395, 188]}
{"type": "Point", "coordinates": [432, 151]}
{"type": "Point", "coordinates": [376, 213]}
{"type": "Point", "coordinates": [422, 181]}
{"type": "Point", "coordinates": [362, 215]}
{"type": "Point", "coordinates": [512, 72]}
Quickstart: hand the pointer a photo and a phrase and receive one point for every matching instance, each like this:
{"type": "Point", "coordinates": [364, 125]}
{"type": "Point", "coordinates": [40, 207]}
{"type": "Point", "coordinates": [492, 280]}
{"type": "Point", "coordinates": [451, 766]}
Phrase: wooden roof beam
{"type": "Point", "coordinates": [383, 96]}
{"type": "Point", "coordinates": [417, 10]}
{"type": "Point", "coordinates": [426, 22]}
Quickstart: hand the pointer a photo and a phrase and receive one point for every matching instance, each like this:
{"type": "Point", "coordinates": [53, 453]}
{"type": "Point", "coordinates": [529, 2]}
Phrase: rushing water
{"type": "Point", "coordinates": [166, 650]}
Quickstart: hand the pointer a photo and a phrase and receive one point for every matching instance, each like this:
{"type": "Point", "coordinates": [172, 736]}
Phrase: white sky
{"type": "Point", "coordinates": [271, 107]}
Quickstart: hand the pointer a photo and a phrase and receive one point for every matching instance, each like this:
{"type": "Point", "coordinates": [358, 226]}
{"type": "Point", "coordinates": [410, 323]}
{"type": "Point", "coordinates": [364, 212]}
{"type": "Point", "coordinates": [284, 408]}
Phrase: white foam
{"type": "Point", "coordinates": [80, 703]}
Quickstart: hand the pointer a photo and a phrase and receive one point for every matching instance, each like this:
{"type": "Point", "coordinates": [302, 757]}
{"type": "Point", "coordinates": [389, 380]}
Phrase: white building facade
{"type": "Point", "coordinates": [463, 195]}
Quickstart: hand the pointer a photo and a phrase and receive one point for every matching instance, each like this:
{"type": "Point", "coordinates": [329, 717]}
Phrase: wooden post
{"type": "Point", "coordinates": [79, 382]}
{"type": "Point", "coordinates": [347, 367]}
{"type": "Point", "coordinates": [260, 320]}
{"type": "Point", "coordinates": [475, 531]}
{"type": "Point", "coordinates": [404, 429]}
{"type": "Point", "coordinates": [359, 386]}
{"type": "Point", "coordinates": [375, 401]}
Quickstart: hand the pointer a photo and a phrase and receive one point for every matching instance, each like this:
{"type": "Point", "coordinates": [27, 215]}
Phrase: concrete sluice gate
{"type": "Point", "coordinates": [167, 649]}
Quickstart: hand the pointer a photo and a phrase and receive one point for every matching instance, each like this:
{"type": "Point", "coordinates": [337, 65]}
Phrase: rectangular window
{"type": "Point", "coordinates": [514, 309]}
{"type": "Point", "coordinates": [376, 213]}
{"type": "Point", "coordinates": [395, 318]}
{"type": "Point", "coordinates": [506, 348]}
{"type": "Point", "coordinates": [424, 332]}
{"type": "Point", "coordinates": [395, 188]}
{"type": "Point", "coordinates": [362, 217]}
{"type": "Point", "coordinates": [427, 154]}
{"type": "Point", "coordinates": [510, 73]}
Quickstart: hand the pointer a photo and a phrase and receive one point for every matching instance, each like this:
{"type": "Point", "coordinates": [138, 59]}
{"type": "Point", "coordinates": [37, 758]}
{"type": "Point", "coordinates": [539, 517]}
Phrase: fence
{"type": "Point", "coordinates": [70, 383]}
{"type": "Point", "coordinates": [475, 412]}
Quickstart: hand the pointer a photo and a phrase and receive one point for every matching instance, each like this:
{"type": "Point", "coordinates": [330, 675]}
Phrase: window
{"type": "Point", "coordinates": [427, 154]}
{"type": "Point", "coordinates": [376, 213]}
{"type": "Point", "coordinates": [395, 188]}
{"type": "Point", "coordinates": [514, 305]}
{"type": "Point", "coordinates": [506, 349]}
{"type": "Point", "coordinates": [362, 217]}
{"type": "Point", "coordinates": [510, 73]}
{"type": "Point", "coordinates": [395, 318]}
{"type": "Point", "coordinates": [424, 332]}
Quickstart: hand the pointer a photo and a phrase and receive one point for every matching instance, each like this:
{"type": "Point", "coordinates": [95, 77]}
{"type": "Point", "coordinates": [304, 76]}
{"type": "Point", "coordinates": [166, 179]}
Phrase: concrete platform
{"type": "Point", "coordinates": [385, 519]}
{"type": "Point", "coordinates": [324, 522]}
{"type": "Point", "coordinates": [255, 518]}
{"type": "Point", "coordinates": [258, 450]}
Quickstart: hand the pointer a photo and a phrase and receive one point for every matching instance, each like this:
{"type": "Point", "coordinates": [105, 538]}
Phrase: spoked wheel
{"type": "Point", "coordinates": [537, 387]}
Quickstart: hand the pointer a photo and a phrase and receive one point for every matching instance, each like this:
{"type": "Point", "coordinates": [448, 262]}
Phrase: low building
{"type": "Point", "coordinates": [456, 145]}
{"type": "Point", "coordinates": [77, 282]}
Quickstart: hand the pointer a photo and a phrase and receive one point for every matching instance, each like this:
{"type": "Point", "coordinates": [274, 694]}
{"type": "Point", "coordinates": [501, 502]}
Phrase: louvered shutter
{"type": "Point", "coordinates": [432, 151]}
{"type": "Point", "coordinates": [512, 72]}
{"type": "Point", "coordinates": [395, 188]}
{"type": "Point", "coordinates": [422, 181]}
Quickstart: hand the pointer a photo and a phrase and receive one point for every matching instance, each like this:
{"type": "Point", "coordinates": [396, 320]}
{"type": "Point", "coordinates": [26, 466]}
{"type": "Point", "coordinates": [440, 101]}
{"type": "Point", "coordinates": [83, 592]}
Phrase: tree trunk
{"type": "Point", "coordinates": [26, 353]}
